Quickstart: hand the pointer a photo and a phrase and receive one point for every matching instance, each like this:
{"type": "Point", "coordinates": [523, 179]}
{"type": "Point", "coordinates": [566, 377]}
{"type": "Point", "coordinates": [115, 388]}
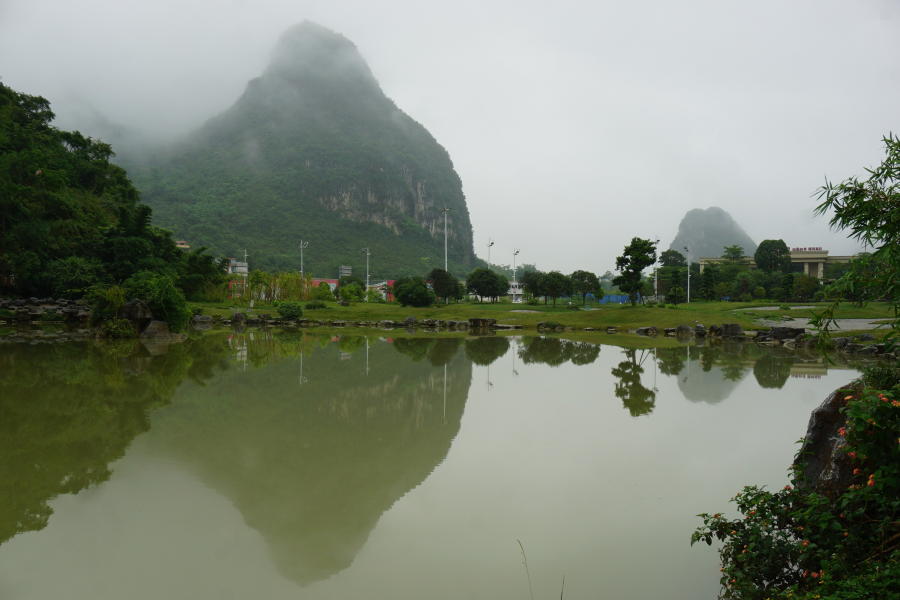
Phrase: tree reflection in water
{"type": "Point", "coordinates": [485, 350]}
{"type": "Point", "coordinates": [555, 351]}
{"type": "Point", "coordinates": [637, 398]}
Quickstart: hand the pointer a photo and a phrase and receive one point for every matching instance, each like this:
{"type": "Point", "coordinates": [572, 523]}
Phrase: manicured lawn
{"type": "Point", "coordinates": [623, 316]}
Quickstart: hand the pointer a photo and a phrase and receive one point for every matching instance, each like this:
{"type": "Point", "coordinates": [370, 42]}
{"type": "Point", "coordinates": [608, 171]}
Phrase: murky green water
{"type": "Point", "coordinates": [300, 466]}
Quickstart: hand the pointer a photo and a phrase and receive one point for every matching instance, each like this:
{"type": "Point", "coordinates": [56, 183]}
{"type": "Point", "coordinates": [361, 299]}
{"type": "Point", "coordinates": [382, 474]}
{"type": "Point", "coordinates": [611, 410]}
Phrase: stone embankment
{"type": "Point", "coordinates": [75, 315]}
{"type": "Point", "coordinates": [239, 319]}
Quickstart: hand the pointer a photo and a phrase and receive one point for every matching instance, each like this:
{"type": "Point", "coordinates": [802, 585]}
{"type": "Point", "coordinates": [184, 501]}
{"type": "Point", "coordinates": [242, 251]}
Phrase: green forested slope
{"type": "Point", "coordinates": [313, 149]}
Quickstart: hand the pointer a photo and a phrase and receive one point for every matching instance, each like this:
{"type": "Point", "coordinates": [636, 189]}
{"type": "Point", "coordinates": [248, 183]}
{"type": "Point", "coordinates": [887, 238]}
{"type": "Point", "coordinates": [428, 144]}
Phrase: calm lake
{"type": "Point", "coordinates": [309, 465]}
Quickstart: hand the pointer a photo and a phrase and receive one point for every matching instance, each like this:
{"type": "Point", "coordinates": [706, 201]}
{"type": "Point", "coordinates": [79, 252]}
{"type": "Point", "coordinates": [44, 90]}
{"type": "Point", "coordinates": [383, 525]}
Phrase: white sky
{"type": "Point", "coordinates": [574, 126]}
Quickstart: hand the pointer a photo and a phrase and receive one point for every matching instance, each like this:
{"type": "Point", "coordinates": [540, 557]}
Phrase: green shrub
{"type": "Point", "coordinates": [50, 315]}
{"type": "Point", "coordinates": [746, 298]}
{"type": "Point", "coordinates": [315, 305]}
{"type": "Point", "coordinates": [796, 541]}
{"type": "Point", "coordinates": [671, 306]}
{"type": "Point", "coordinates": [661, 305]}
{"type": "Point", "coordinates": [759, 292]}
{"type": "Point", "coordinates": [819, 296]}
{"type": "Point", "coordinates": [533, 302]}
{"type": "Point", "coordinates": [777, 293]}
{"type": "Point", "coordinates": [117, 329]}
{"type": "Point", "coordinates": [415, 292]}
{"type": "Point", "coordinates": [375, 297]}
{"type": "Point", "coordinates": [165, 301]}
{"type": "Point", "coordinates": [882, 377]}
{"type": "Point", "coordinates": [290, 310]}
{"type": "Point", "coordinates": [784, 307]}
{"type": "Point", "coordinates": [6, 314]}
{"type": "Point", "coordinates": [196, 310]}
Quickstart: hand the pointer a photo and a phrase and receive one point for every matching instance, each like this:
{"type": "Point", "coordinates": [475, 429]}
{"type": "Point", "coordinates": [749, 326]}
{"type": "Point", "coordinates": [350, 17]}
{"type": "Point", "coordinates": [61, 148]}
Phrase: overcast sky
{"type": "Point", "coordinates": [574, 126]}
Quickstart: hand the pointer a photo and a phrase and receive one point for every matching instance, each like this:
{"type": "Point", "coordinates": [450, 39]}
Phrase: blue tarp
{"type": "Point", "coordinates": [616, 299]}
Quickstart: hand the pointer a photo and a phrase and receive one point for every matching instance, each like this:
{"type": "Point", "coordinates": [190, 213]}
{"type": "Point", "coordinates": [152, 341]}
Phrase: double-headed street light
{"type": "Point", "coordinates": [489, 244]}
{"type": "Point", "coordinates": [689, 274]}
{"type": "Point", "coordinates": [302, 246]}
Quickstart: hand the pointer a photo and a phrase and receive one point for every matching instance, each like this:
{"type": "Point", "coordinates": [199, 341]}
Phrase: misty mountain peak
{"type": "Point", "coordinates": [707, 232]}
{"type": "Point", "coordinates": [308, 53]}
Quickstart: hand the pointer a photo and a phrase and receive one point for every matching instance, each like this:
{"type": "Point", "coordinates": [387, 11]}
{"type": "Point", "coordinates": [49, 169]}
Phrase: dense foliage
{"type": "Point", "coordinates": [638, 255]}
{"type": "Point", "coordinates": [414, 291]}
{"type": "Point", "coordinates": [486, 283]}
{"type": "Point", "coordinates": [870, 210]}
{"type": "Point", "coordinates": [799, 540]}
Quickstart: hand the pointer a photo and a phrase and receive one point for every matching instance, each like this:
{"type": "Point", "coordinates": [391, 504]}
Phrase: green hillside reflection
{"type": "Point", "coordinates": [313, 460]}
{"type": "Point", "coordinates": [68, 410]}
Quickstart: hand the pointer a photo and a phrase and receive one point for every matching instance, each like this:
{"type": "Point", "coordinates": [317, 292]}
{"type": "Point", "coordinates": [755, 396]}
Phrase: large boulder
{"type": "Point", "coordinates": [715, 331]}
{"type": "Point", "coordinates": [783, 333]}
{"type": "Point", "coordinates": [684, 332]}
{"type": "Point", "coordinates": [135, 310]}
{"type": "Point", "coordinates": [238, 317]}
{"type": "Point", "coordinates": [828, 469]}
{"type": "Point", "coordinates": [700, 331]}
{"type": "Point", "coordinates": [155, 328]}
{"type": "Point", "coordinates": [652, 331]}
{"type": "Point", "coordinates": [484, 323]}
{"type": "Point", "coordinates": [732, 330]}
{"type": "Point", "coordinates": [410, 322]}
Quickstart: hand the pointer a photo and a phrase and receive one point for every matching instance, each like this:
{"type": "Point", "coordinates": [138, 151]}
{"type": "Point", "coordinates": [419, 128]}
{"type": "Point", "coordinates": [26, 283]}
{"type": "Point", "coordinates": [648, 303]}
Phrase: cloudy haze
{"type": "Point", "coordinates": [574, 126]}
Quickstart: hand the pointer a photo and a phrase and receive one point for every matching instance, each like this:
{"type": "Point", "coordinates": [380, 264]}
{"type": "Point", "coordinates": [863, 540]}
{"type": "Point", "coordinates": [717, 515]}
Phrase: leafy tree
{"type": "Point", "coordinates": [709, 279]}
{"type": "Point", "coordinates": [772, 256]}
{"type": "Point", "coordinates": [805, 286]}
{"type": "Point", "coordinates": [163, 298]}
{"type": "Point", "coordinates": [723, 290]}
{"type": "Point", "coordinates": [199, 273]}
{"type": "Point", "coordinates": [351, 292]}
{"type": "Point", "coordinates": [672, 258]}
{"type": "Point", "coordinates": [584, 283]}
{"type": "Point", "coordinates": [61, 197]}
{"type": "Point", "coordinates": [557, 285]}
{"type": "Point", "coordinates": [733, 254]}
{"type": "Point", "coordinates": [676, 295]}
{"type": "Point", "coordinates": [443, 283]}
{"type": "Point", "coordinates": [415, 292]}
{"type": "Point", "coordinates": [759, 292]}
{"type": "Point", "coordinates": [532, 283]}
{"type": "Point", "coordinates": [638, 255]}
{"type": "Point", "coordinates": [348, 280]}
{"type": "Point", "coordinates": [375, 296]}
{"type": "Point", "coordinates": [486, 283]}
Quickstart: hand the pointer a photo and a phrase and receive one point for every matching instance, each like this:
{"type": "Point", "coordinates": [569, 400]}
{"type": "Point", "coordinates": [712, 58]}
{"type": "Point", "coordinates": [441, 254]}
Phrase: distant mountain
{"type": "Point", "coordinates": [707, 232]}
{"type": "Point", "coordinates": [313, 149]}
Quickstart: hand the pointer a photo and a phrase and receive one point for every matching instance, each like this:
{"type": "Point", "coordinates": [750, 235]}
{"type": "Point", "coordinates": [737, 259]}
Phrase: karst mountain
{"type": "Point", "coordinates": [707, 232]}
{"type": "Point", "coordinates": [313, 150]}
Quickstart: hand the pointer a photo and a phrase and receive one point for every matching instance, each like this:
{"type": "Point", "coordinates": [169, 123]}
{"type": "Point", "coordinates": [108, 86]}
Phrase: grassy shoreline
{"type": "Point", "coordinates": [621, 316]}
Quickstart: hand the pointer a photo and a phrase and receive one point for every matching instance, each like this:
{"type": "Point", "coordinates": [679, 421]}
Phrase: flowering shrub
{"type": "Point", "coordinates": [797, 541]}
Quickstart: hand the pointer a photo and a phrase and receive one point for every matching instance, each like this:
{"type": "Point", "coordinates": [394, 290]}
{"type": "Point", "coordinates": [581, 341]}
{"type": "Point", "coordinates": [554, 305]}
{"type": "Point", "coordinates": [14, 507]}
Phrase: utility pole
{"type": "Point", "coordinates": [689, 274]}
{"type": "Point", "coordinates": [247, 267]}
{"type": "Point", "coordinates": [656, 275]}
{"type": "Point", "coordinates": [445, 211]}
{"type": "Point", "coordinates": [489, 244]}
{"type": "Point", "coordinates": [302, 246]}
{"type": "Point", "coordinates": [515, 252]}
{"type": "Point", "coordinates": [368, 254]}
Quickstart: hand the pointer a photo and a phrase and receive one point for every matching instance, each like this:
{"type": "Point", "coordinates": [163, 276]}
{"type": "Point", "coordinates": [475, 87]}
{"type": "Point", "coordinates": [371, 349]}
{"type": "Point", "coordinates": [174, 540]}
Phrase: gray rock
{"type": "Point", "coordinates": [484, 323]}
{"type": "Point", "coordinates": [731, 330]}
{"type": "Point", "coordinates": [840, 343]}
{"type": "Point", "coordinates": [867, 350]}
{"type": "Point", "coordinates": [867, 337]}
{"type": "Point", "coordinates": [652, 331]}
{"type": "Point", "coordinates": [782, 333]}
{"type": "Point", "coordinates": [684, 331]}
{"type": "Point", "coordinates": [238, 318]}
{"type": "Point", "coordinates": [201, 318]}
{"type": "Point", "coordinates": [410, 322]}
{"type": "Point", "coordinates": [829, 471]}
{"type": "Point", "coordinates": [155, 328]}
{"type": "Point", "coordinates": [700, 331]}
{"type": "Point", "coordinates": [505, 326]}
{"type": "Point", "coordinates": [669, 331]}
{"type": "Point", "coordinates": [715, 330]}
{"type": "Point", "coordinates": [852, 348]}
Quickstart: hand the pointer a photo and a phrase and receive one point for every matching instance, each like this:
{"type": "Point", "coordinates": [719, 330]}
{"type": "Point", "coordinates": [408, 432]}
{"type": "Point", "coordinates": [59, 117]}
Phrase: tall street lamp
{"type": "Point", "coordinates": [656, 276]}
{"type": "Point", "coordinates": [302, 246]}
{"type": "Point", "coordinates": [368, 254]}
{"type": "Point", "coordinates": [689, 274]}
{"type": "Point", "coordinates": [445, 211]}
{"type": "Point", "coordinates": [489, 244]}
{"type": "Point", "coordinates": [515, 253]}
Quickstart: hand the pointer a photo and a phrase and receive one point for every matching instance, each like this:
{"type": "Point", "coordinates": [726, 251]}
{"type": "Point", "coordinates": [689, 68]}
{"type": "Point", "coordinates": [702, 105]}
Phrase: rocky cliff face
{"type": "Point", "coordinates": [313, 149]}
{"type": "Point", "coordinates": [707, 232]}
